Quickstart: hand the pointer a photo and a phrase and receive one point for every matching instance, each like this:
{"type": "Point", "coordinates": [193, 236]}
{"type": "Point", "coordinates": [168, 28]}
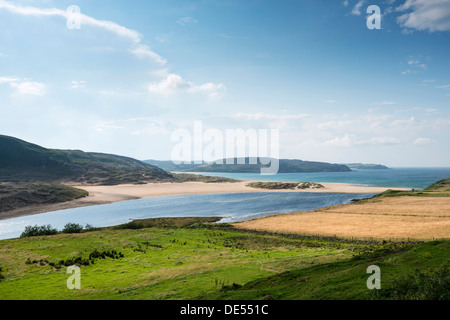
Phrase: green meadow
{"type": "Point", "coordinates": [191, 258]}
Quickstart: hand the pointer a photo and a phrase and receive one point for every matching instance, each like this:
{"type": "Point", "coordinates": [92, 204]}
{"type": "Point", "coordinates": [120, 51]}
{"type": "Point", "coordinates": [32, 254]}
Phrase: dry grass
{"type": "Point", "coordinates": [387, 218]}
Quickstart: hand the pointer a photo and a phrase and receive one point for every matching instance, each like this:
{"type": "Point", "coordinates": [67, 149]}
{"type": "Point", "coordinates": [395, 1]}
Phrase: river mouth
{"type": "Point", "coordinates": [232, 207]}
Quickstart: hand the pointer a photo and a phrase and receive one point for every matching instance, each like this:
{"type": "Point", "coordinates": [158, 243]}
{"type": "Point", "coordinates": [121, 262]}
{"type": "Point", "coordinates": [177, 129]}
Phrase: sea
{"type": "Point", "coordinates": [231, 207]}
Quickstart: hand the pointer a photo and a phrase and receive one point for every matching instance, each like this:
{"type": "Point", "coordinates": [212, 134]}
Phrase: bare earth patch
{"type": "Point", "coordinates": [419, 218]}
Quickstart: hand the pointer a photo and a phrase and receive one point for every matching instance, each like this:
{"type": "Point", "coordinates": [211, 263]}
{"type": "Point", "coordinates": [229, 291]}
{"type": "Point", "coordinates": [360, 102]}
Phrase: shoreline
{"type": "Point", "coordinates": [99, 195]}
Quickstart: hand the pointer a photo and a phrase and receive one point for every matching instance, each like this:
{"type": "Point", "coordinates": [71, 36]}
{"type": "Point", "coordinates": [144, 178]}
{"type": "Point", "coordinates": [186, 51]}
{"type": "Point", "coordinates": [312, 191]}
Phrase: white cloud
{"type": "Point", "coordinates": [186, 20]}
{"type": "Point", "coordinates": [346, 141]}
{"type": "Point", "coordinates": [403, 123]}
{"type": "Point", "coordinates": [211, 89]}
{"type": "Point", "coordinates": [385, 103]}
{"type": "Point", "coordinates": [349, 140]}
{"type": "Point", "coordinates": [174, 83]}
{"type": "Point", "coordinates": [266, 116]}
{"type": "Point", "coordinates": [329, 101]}
{"type": "Point", "coordinates": [357, 8]}
{"type": "Point", "coordinates": [27, 87]}
{"type": "Point", "coordinates": [423, 141]}
{"type": "Point", "coordinates": [135, 37]}
{"type": "Point", "coordinates": [77, 84]}
{"type": "Point", "coordinates": [446, 86]}
{"type": "Point", "coordinates": [382, 141]}
{"type": "Point", "coordinates": [143, 51]}
{"type": "Point", "coordinates": [417, 63]}
{"type": "Point", "coordinates": [24, 87]}
{"type": "Point", "coordinates": [337, 125]}
{"type": "Point", "coordinates": [425, 15]}
{"type": "Point", "coordinates": [415, 66]}
{"type": "Point", "coordinates": [8, 79]}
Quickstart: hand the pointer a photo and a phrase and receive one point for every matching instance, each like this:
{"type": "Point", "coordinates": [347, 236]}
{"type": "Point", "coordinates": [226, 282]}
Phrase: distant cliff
{"type": "Point", "coordinates": [362, 166]}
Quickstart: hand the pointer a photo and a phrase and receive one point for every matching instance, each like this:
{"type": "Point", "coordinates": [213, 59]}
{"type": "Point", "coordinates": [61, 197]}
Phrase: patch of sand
{"type": "Point", "coordinates": [109, 194]}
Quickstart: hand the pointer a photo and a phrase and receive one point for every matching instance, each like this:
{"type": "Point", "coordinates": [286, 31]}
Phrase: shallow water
{"type": "Point", "coordinates": [232, 207]}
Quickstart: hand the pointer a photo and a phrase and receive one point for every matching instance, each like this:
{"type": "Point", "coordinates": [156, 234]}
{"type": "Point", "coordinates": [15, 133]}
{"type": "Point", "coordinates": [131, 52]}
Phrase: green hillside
{"type": "Point", "coordinates": [19, 195]}
{"type": "Point", "coordinates": [193, 259]}
{"type": "Point", "coordinates": [285, 166]}
{"type": "Point", "coordinates": [21, 161]}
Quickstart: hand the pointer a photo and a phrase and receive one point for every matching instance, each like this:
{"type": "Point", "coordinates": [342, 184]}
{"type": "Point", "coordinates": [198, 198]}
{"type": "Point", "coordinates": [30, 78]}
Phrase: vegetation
{"type": "Point", "coordinates": [21, 161]}
{"type": "Point", "coordinates": [72, 228]}
{"type": "Point", "coordinates": [285, 185]}
{"type": "Point", "coordinates": [364, 166]}
{"type": "Point", "coordinates": [432, 284]}
{"type": "Point", "coordinates": [18, 195]}
{"type": "Point", "coordinates": [198, 258]}
{"type": "Point", "coordinates": [36, 231]}
{"type": "Point", "coordinates": [45, 230]}
{"type": "Point", "coordinates": [285, 166]}
{"type": "Point", "coordinates": [186, 177]}
{"type": "Point", "coordinates": [438, 189]}
{"type": "Point", "coordinates": [346, 279]}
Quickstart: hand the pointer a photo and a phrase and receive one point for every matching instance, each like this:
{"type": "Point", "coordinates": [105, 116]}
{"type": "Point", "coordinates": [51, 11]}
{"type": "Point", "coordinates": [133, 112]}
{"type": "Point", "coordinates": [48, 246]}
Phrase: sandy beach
{"type": "Point", "coordinates": [109, 194]}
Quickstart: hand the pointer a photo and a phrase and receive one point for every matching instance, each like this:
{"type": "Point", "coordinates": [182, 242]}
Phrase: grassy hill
{"type": "Point", "coordinates": [190, 258]}
{"type": "Point", "coordinates": [21, 161]}
{"type": "Point", "coordinates": [285, 166]}
{"type": "Point", "coordinates": [438, 189]}
{"type": "Point", "coordinates": [19, 195]}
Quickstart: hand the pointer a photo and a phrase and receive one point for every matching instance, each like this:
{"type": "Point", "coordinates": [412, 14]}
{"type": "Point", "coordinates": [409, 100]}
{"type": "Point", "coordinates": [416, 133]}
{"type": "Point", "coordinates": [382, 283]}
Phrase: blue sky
{"type": "Point", "coordinates": [132, 74]}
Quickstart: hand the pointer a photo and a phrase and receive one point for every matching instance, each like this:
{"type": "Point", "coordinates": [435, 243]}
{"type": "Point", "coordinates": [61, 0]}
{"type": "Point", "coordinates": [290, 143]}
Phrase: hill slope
{"type": "Point", "coordinates": [285, 166]}
{"type": "Point", "coordinates": [21, 161]}
{"type": "Point", "coordinates": [13, 196]}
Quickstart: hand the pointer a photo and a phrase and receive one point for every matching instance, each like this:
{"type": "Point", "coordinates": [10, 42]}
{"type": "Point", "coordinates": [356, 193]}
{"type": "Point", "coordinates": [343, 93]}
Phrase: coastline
{"type": "Point", "coordinates": [99, 195]}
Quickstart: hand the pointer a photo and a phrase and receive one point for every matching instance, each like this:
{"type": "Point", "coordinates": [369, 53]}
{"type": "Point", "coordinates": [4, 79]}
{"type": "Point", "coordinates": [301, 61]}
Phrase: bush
{"type": "Point", "coordinates": [429, 285]}
{"type": "Point", "coordinates": [34, 231]}
{"type": "Point", "coordinates": [133, 225]}
{"type": "Point", "coordinates": [72, 228]}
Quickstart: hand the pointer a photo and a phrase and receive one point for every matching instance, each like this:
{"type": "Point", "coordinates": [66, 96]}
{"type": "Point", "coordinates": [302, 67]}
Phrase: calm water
{"type": "Point", "coordinates": [417, 178]}
{"type": "Point", "coordinates": [233, 207]}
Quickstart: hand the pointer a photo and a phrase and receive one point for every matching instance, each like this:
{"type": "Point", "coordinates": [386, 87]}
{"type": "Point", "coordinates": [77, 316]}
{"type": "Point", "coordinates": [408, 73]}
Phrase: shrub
{"type": "Point", "coordinates": [72, 228]}
{"type": "Point", "coordinates": [34, 231]}
{"type": "Point", "coordinates": [428, 285]}
{"type": "Point", "coordinates": [131, 225]}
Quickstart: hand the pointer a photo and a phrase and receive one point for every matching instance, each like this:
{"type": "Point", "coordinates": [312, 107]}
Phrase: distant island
{"type": "Point", "coordinates": [285, 166]}
{"type": "Point", "coordinates": [364, 166]}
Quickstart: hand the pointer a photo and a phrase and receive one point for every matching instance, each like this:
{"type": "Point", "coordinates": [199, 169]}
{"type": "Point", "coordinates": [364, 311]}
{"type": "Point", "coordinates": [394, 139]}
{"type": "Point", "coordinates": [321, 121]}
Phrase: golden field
{"type": "Point", "coordinates": [395, 218]}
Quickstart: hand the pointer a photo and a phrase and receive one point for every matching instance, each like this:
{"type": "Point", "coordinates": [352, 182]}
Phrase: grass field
{"type": "Point", "coordinates": [198, 259]}
{"type": "Point", "coordinates": [182, 258]}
